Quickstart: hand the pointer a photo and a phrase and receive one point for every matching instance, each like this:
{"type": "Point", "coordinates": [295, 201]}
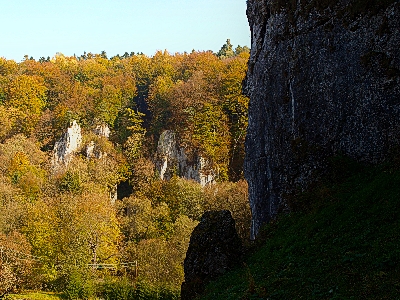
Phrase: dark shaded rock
{"type": "Point", "coordinates": [323, 79]}
{"type": "Point", "coordinates": [214, 248]}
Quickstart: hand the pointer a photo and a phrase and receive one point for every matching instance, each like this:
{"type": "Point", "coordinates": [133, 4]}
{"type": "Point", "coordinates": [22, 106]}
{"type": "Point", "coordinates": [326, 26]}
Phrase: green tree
{"type": "Point", "coordinates": [226, 50]}
{"type": "Point", "coordinates": [159, 103]}
{"type": "Point", "coordinates": [211, 136]}
{"type": "Point", "coordinates": [232, 196]}
{"type": "Point", "coordinates": [134, 132]}
{"type": "Point", "coordinates": [235, 105]}
{"type": "Point", "coordinates": [239, 50]}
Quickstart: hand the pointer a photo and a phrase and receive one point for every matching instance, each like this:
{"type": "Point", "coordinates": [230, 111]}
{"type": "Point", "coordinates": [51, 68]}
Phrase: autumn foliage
{"type": "Point", "coordinates": [57, 228]}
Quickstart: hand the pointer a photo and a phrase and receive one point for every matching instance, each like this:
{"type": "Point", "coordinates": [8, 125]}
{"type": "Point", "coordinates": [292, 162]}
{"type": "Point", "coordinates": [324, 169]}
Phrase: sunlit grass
{"type": "Point", "coordinates": [35, 296]}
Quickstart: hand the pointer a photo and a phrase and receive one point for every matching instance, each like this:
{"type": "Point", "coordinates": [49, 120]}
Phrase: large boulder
{"type": "Point", "coordinates": [214, 248]}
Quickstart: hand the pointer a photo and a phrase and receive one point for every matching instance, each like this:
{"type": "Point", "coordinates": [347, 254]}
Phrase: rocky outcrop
{"type": "Point", "coordinates": [323, 79]}
{"type": "Point", "coordinates": [172, 159]}
{"type": "Point", "coordinates": [102, 130]}
{"type": "Point", "coordinates": [66, 146]}
{"type": "Point", "coordinates": [92, 150]}
{"type": "Point", "coordinates": [214, 248]}
{"type": "Point", "coordinates": [70, 143]}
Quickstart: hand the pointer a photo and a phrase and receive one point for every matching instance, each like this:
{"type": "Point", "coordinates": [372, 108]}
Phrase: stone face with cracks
{"type": "Point", "coordinates": [321, 82]}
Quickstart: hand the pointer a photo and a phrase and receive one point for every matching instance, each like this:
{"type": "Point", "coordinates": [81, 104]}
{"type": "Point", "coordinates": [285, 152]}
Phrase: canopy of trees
{"type": "Point", "coordinates": [56, 228]}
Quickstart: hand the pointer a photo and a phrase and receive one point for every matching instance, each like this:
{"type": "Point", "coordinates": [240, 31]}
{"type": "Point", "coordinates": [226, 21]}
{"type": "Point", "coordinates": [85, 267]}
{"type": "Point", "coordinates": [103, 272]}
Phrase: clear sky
{"type": "Point", "coordinates": [44, 27]}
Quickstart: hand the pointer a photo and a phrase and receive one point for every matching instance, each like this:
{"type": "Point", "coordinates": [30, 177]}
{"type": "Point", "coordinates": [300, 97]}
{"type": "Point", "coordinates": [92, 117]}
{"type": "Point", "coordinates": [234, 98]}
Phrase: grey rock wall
{"type": "Point", "coordinates": [321, 81]}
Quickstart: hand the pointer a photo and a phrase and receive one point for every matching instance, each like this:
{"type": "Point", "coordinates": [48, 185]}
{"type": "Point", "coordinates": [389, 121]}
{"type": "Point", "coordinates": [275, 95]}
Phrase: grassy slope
{"type": "Point", "coordinates": [346, 245]}
{"type": "Point", "coordinates": [35, 296]}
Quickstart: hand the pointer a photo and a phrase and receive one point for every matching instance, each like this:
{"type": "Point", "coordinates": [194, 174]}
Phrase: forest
{"type": "Point", "coordinates": [59, 230]}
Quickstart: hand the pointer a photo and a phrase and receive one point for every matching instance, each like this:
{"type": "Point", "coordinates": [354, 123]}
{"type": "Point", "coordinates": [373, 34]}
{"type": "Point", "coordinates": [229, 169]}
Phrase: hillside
{"type": "Point", "coordinates": [341, 242]}
{"type": "Point", "coordinates": [323, 82]}
{"type": "Point", "coordinates": [106, 165]}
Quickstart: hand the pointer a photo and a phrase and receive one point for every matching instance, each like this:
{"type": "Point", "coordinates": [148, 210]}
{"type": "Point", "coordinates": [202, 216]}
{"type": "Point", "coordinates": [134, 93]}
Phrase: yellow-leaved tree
{"type": "Point", "coordinates": [26, 94]}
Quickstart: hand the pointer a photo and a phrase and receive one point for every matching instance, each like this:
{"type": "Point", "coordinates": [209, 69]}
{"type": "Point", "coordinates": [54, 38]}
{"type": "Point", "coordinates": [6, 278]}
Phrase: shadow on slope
{"type": "Point", "coordinates": [342, 242]}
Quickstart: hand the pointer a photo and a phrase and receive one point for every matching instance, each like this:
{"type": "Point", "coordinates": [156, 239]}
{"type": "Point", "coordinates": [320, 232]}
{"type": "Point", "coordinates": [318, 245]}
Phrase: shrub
{"type": "Point", "coordinates": [124, 289]}
{"type": "Point", "coordinates": [117, 290]}
{"type": "Point", "coordinates": [79, 286]}
{"type": "Point", "coordinates": [70, 182]}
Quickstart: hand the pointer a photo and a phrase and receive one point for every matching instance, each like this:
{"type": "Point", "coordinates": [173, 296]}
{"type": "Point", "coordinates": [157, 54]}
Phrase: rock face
{"type": "Point", "coordinates": [91, 150]}
{"type": "Point", "coordinates": [172, 158]}
{"type": "Point", "coordinates": [102, 130]}
{"type": "Point", "coordinates": [323, 79]}
{"type": "Point", "coordinates": [67, 146]}
{"type": "Point", "coordinates": [214, 248]}
{"type": "Point", "coordinates": [70, 142]}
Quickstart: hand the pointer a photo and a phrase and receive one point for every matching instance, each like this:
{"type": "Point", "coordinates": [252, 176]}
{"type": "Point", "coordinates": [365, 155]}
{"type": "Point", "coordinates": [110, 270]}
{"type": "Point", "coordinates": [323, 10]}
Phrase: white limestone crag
{"type": "Point", "coordinates": [172, 159]}
{"type": "Point", "coordinates": [71, 141]}
{"type": "Point", "coordinates": [92, 150]}
{"type": "Point", "coordinates": [66, 146]}
{"type": "Point", "coordinates": [102, 130]}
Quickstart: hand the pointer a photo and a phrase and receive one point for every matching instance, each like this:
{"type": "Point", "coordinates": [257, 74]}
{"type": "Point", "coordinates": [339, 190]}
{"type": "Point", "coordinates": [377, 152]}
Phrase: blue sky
{"type": "Point", "coordinates": [44, 27]}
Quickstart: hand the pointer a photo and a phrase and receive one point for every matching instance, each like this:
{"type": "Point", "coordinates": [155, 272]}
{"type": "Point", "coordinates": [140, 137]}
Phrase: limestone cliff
{"type": "Point", "coordinates": [68, 144]}
{"type": "Point", "coordinates": [172, 159]}
{"type": "Point", "coordinates": [71, 141]}
{"type": "Point", "coordinates": [93, 150]}
{"type": "Point", "coordinates": [323, 79]}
